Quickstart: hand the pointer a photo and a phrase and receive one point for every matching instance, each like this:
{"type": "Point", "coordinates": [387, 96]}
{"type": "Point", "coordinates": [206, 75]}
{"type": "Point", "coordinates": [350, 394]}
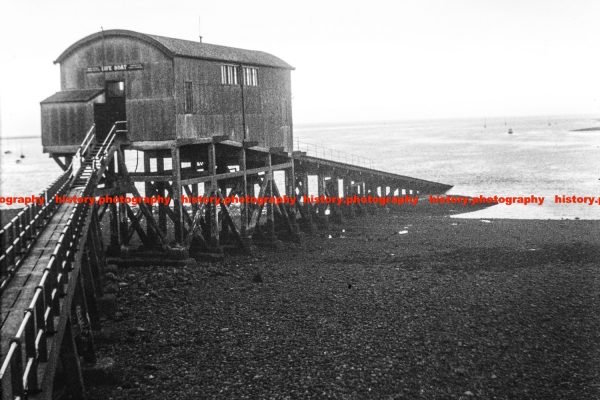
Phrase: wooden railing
{"type": "Point", "coordinates": [18, 236]}
{"type": "Point", "coordinates": [83, 149]}
{"type": "Point", "coordinates": [19, 369]}
{"type": "Point", "coordinates": [90, 137]}
{"type": "Point", "coordinates": [28, 348]}
{"type": "Point", "coordinates": [118, 127]}
{"type": "Point", "coordinates": [321, 151]}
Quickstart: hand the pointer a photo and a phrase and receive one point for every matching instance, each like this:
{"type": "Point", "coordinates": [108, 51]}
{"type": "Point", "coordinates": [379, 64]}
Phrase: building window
{"type": "Point", "coordinates": [189, 98]}
{"type": "Point", "coordinates": [115, 89]}
{"type": "Point", "coordinates": [250, 76]}
{"type": "Point", "coordinates": [229, 75]}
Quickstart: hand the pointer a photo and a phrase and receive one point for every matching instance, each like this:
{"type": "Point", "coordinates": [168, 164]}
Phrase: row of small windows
{"type": "Point", "coordinates": [229, 75]}
{"type": "Point", "coordinates": [250, 76]}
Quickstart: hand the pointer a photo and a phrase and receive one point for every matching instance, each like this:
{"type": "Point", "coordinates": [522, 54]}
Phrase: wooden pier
{"type": "Point", "coordinates": [206, 120]}
{"type": "Point", "coordinates": [53, 255]}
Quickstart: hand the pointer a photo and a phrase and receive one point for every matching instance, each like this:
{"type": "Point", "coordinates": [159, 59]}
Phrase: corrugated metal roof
{"type": "Point", "coordinates": [73, 96]}
{"type": "Point", "coordinates": [188, 48]}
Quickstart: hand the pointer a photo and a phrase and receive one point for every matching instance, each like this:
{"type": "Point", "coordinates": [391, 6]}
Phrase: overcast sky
{"type": "Point", "coordinates": [355, 60]}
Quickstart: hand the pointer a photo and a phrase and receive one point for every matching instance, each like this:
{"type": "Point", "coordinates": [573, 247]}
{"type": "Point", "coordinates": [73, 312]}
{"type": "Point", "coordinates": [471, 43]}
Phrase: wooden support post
{"type": "Point", "coordinates": [195, 231]}
{"type": "Point", "coordinates": [289, 180]}
{"type": "Point", "coordinates": [290, 191]}
{"type": "Point", "coordinates": [123, 225]}
{"type": "Point", "coordinates": [307, 213]}
{"type": "Point", "coordinates": [211, 208]}
{"type": "Point", "coordinates": [322, 208]}
{"type": "Point", "coordinates": [114, 246]}
{"type": "Point", "coordinates": [71, 364]}
{"type": "Point", "coordinates": [81, 312]}
{"type": "Point", "coordinates": [162, 213]}
{"type": "Point", "coordinates": [348, 192]}
{"type": "Point", "coordinates": [149, 189]}
{"type": "Point", "coordinates": [244, 207]}
{"type": "Point", "coordinates": [89, 289]}
{"type": "Point", "coordinates": [250, 182]}
{"type": "Point", "coordinates": [371, 191]}
{"type": "Point", "coordinates": [388, 191]}
{"type": "Point", "coordinates": [270, 216]}
{"type": "Point", "coordinates": [231, 225]}
{"type": "Point", "coordinates": [284, 210]}
{"type": "Point", "coordinates": [97, 252]}
{"type": "Point", "coordinates": [257, 211]}
{"type": "Point", "coordinates": [195, 206]}
{"type": "Point", "coordinates": [176, 190]}
{"type": "Point", "coordinates": [359, 190]}
{"type": "Point", "coordinates": [334, 191]}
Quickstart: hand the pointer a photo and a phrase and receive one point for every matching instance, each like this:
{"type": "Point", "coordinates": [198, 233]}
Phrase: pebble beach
{"type": "Point", "coordinates": [397, 305]}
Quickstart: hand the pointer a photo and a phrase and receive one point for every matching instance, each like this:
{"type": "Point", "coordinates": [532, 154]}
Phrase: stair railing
{"type": "Point", "coordinates": [87, 141]}
{"type": "Point", "coordinates": [118, 127]}
{"type": "Point", "coordinates": [82, 150]}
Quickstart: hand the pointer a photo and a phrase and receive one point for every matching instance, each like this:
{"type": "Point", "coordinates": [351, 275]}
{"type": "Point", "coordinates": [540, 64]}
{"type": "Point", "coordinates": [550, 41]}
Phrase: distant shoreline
{"type": "Point", "coordinates": [20, 137]}
{"type": "Point", "coordinates": [592, 129]}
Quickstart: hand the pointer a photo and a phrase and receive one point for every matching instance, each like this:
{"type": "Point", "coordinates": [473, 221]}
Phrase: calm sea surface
{"type": "Point", "coordinates": [543, 157]}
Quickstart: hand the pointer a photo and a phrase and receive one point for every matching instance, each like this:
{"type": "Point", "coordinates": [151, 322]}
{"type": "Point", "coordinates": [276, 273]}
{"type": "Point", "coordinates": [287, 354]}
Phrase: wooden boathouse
{"type": "Point", "coordinates": [203, 115]}
{"type": "Point", "coordinates": [167, 89]}
{"type": "Point", "coordinates": [206, 119]}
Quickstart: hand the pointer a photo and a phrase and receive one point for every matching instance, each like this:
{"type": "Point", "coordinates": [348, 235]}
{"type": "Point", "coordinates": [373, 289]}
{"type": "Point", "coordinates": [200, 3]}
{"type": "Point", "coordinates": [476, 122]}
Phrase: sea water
{"type": "Point", "coordinates": [543, 157]}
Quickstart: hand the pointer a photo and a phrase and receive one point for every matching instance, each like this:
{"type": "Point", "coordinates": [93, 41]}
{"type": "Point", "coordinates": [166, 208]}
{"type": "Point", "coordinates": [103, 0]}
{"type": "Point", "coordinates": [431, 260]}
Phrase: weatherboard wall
{"type": "Point", "coordinates": [65, 124]}
{"type": "Point", "coordinates": [217, 109]}
{"type": "Point", "coordinates": [149, 92]}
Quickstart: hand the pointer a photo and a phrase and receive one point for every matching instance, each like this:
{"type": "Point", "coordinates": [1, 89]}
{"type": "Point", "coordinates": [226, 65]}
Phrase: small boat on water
{"type": "Point", "coordinates": [510, 131]}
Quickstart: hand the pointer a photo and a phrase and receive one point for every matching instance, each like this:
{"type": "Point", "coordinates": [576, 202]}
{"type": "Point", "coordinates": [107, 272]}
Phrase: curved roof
{"type": "Point", "coordinates": [186, 48]}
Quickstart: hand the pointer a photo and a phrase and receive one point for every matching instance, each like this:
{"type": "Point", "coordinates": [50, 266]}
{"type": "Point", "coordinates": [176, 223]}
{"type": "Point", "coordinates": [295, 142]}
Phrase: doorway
{"type": "Point", "coordinates": [113, 110]}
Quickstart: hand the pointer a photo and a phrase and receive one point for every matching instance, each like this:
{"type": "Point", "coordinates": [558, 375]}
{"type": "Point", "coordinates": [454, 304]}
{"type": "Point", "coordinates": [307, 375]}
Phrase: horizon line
{"type": "Point", "coordinates": [30, 136]}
